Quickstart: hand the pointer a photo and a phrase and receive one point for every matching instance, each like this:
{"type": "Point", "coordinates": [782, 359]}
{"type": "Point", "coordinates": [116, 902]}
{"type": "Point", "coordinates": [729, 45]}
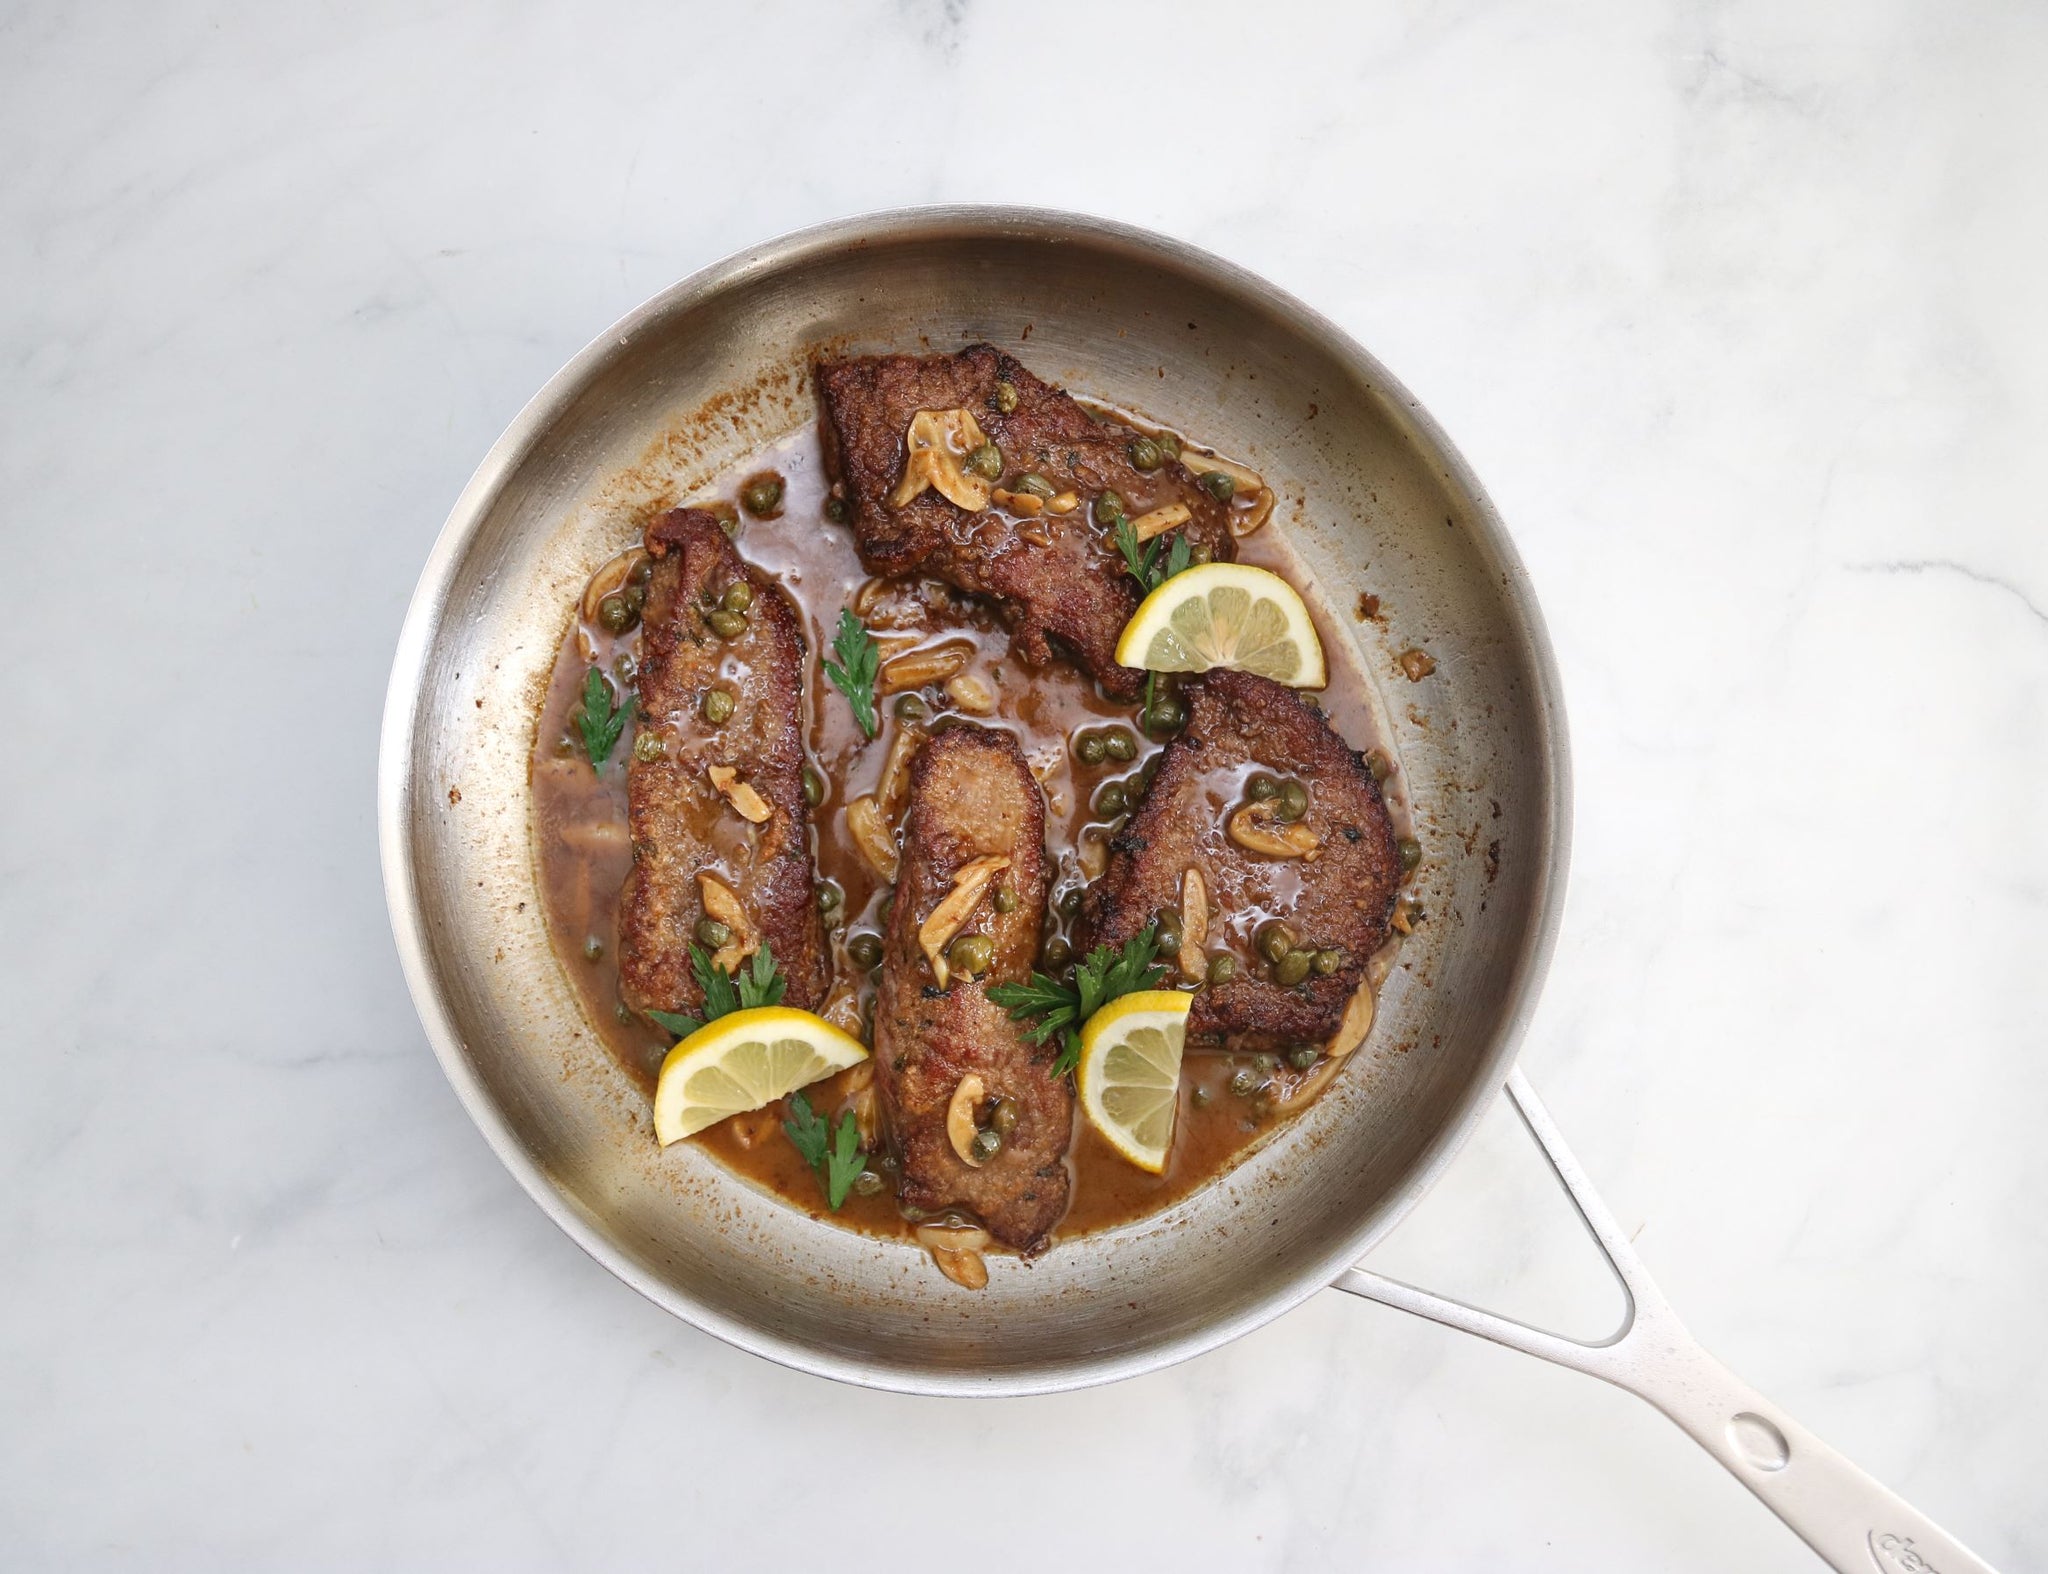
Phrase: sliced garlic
{"type": "Point", "coordinates": [894, 786]}
{"type": "Point", "coordinates": [750, 804]}
{"type": "Point", "coordinates": [971, 695]}
{"type": "Point", "coordinates": [939, 442]}
{"type": "Point", "coordinates": [872, 837]}
{"type": "Point", "coordinates": [721, 903]}
{"type": "Point", "coordinates": [1262, 508]}
{"type": "Point", "coordinates": [970, 882]}
{"type": "Point", "coordinates": [1161, 520]}
{"type": "Point", "coordinates": [1247, 481]}
{"type": "Point", "coordinates": [1194, 925]}
{"type": "Point", "coordinates": [610, 577]}
{"type": "Point", "coordinates": [1065, 503]}
{"type": "Point", "coordinates": [960, 1113]}
{"type": "Point", "coordinates": [914, 669]}
{"type": "Point", "coordinates": [1356, 1024]}
{"type": "Point", "coordinates": [1028, 504]}
{"type": "Point", "coordinates": [1254, 828]}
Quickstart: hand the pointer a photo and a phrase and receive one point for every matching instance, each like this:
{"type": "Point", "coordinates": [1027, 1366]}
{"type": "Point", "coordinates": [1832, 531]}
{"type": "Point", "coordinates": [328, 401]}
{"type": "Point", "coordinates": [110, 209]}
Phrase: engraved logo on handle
{"type": "Point", "coordinates": [1895, 1554]}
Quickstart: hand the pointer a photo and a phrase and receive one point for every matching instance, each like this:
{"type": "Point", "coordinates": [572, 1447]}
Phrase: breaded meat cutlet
{"type": "Point", "coordinates": [1340, 897]}
{"type": "Point", "coordinates": [971, 797]}
{"type": "Point", "coordinates": [685, 830]}
{"type": "Point", "coordinates": [1056, 577]}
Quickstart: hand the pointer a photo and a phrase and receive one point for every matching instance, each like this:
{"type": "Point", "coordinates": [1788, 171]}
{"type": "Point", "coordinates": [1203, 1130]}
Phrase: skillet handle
{"type": "Point", "coordinates": [1849, 1519]}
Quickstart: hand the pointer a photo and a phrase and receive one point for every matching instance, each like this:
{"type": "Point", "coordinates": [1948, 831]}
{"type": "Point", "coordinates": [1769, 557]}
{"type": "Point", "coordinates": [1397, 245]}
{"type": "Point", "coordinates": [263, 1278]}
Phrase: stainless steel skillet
{"type": "Point", "coordinates": [1377, 501]}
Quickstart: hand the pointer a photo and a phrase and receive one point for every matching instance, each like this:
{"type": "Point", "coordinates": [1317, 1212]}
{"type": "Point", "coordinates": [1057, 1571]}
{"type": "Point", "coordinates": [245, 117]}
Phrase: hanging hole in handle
{"type": "Point", "coordinates": [1758, 1441]}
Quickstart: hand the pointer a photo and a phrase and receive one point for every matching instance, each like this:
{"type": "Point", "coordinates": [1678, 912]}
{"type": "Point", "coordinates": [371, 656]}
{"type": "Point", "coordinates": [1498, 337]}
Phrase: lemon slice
{"type": "Point", "coordinates": [1130, 1072]}
{"type": "Point", "coordinates": [742, 1061]}
{"type": "Point", "coordinates": [1225, 615]}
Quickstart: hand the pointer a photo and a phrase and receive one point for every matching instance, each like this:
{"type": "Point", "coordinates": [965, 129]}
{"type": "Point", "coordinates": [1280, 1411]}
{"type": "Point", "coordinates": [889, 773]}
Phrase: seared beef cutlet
{"type": "Point", "coordinates": [1343, 897]}
{"type": "Point", "coordinates": [1056, 577]}
{"type": "Point", "coordinates": [971, 796]}
{"type": "Point", "coordinates": [682, 826]}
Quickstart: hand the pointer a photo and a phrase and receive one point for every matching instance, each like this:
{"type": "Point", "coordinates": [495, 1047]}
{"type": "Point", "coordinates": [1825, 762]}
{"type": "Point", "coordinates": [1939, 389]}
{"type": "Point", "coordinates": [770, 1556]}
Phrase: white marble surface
{"type": "Point", "coordinates": [1738, 310]}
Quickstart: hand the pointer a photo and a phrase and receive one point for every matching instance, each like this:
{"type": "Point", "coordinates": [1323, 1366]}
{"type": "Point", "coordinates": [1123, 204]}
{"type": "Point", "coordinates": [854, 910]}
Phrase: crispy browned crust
{"type": "Point", "coordinates": [971, 795]}
{"type": "Point", "coordinates": [1068, 585]}
{"type": "Point", "coordinates": [679, 824]}
{"type": "Point", "coordinates": [1344, 898]}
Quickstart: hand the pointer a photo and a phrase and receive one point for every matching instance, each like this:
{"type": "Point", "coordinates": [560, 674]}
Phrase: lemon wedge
{"type": "Point", "coordinates": [1129, 1074]}
{"type": "Point", "coordinates": [1225, 615]}
{"type": "Point", "coordinates": [742, 1061]}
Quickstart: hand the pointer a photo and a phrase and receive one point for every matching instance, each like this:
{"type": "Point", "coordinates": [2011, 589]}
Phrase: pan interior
{"type": "Point", "coordinates": [1377, 503]}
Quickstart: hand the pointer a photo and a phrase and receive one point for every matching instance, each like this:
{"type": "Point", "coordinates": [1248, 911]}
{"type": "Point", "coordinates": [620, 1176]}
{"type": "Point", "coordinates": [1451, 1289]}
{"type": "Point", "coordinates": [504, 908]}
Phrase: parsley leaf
{"type": "Point", "coordinates": [836, 1156]}
{"type": "Point", "coordinates": [853, 674]}
{"type": "Point", "coordinates": [845, 1162]}
{"type": "Point", "coordinates": [598, 721]}
{"type": "Point", "coordinates": [758, 984]}
{"type": "Point", "coordinates": [1105, 975]}
{"type": "Point", "coordinates": [806, 1131]}
{"type": "Point", "coordinates": [1144, 564]}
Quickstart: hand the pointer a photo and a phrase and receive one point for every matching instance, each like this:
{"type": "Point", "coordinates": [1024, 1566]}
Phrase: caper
{"type": "Point", "coordinates": [641, 572]}
{"type": "Point", "coordinates": [835, 510]}
{"type": "Point", "coordinates": [710, 932]}
{"type": "Point", "coordinates": [1055, 954]}
{"type": "Point", "coordinates": [739, 596]}
{"type": "Point", "coordinates": [1109, 509]}
{"type": "Point", "coordinates": [1291, 803]}
{"type": "Point", "coordinates": [1219, 484]}
{"type": "Point", "coordinates": [1002, 1120]}
{"type": "Point", "coordinates": [1267, 1062]}
{"type": "Point", "coordinates": [615, 614]}
{"type": "Point", "coordinates": [864, 951]}
{"type": "Point", "coordinates": [1119, 744]}
{"type": "Point", "coordinates": [1169, 445]}
{"type": "Point", "coordinates": [1169, 936]}
{"type": "Point", "coordinates": [1273, 940]}
{"type": "Point", "coordinates": [814, 786]}
{"type": "Point", "coordinates": [1380, 766]}
{"type": "Point", "coordinates": [868, 1184]}
{"type": "Point", "coordinates": [1006, 397]}
{"type": "Point", "coordinates": [648, 747]}
{"type": "Point", "coordinates": [1090, 748]}
{"type": "Point", "coordinates": [1007, 899]}
{"type": "Point", "coordinates": [1032, 484]}
{"type": "Point", "coordinates": [593, 949]}
{"type": "Point", "coordinates": [1312, 702]}
{"type": "Point", "coordinates": [910, 708]}
{"type": "Point", "coordinates": [622, 1012]}
{"type": "Point", "coordinates": [1150, 769]}
{"type": "Point", "coordinates": [1070, 901]}
{"type": "Point", "coordinates": [986, 1145]}
{"type": "Point", "coordinates": [1222, 969]}
{"type": "Point", "coordinates": [636, 596]}
{"type": "Point", "coordinates": [716, 707]}
{"type": "Point", "coordinates": [762, 495]}
{"type": "Point", "coordinates": [1146, 454]}
{"type": "Point", "coordinates": [986, 461]}
{"type": "Point", "coordinates": [1327, 961]}
{"type": "Point", "coordinates": [1302, 1056]}
{"type": "Point", "coordinates": [1244, 1082]}
{"type": "Point", "coordinates": [1261, 787]}
{"type": "Point", "coordinates": [1200, 553]}
{"type": "Point", "coordinates": [829, 897]}
{"type": "Point", "coordinates": [1165, 716]}
{"type": "Point", "coordinates": [625, 668]}
{"type": "Point", "coordinates": [727, 625]}
{"type": "Point", "coordinates": [1411, 854]}
{"type": "Point", "coordinates": [1110, 800]}
{"type": "Point", "coordinates": [971, 954]}
{"type": "Point", "coordinates": [1292, 968]}
{"type": "Point", "coordinates": [1202, 1097]}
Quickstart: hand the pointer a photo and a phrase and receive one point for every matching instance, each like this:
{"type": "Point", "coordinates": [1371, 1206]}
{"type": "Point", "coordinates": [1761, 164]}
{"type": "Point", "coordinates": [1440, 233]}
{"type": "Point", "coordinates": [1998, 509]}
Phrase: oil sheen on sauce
{"type": "Point", "coordinates": [582, 854]}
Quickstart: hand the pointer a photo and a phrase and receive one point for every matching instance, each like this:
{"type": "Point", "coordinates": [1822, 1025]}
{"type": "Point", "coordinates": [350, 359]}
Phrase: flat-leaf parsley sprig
{"type": "Point", "coordinates": [1144, 564]}
{"type": "Point", "coordinates": [597, 719]}
{"type": "Point", "coordinates": [1107, 974]}
{"type": "Point", "coordinates": [853, 674]}
{"type": "Point", "coordinates": [758, 984]}
{"type": "Point", "coordinates": [837, 1159]}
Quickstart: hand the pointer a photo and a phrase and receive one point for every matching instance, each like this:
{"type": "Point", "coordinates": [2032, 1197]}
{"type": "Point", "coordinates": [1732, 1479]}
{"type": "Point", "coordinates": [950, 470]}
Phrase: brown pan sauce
{"type": "Point", "coordinates": [579, 822]}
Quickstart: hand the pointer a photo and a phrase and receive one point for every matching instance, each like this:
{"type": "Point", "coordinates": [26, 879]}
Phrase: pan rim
{"type": "Point", "coordinates": [395, 785]}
